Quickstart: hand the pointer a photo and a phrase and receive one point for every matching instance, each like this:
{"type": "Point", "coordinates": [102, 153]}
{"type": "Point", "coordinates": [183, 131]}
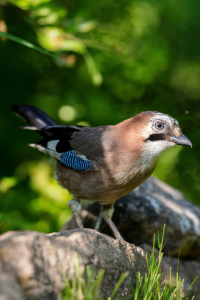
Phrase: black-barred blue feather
{"type": "Point", "coordinates": [69, 158]}
{"type": "Point", "coordinates": [72, 160]}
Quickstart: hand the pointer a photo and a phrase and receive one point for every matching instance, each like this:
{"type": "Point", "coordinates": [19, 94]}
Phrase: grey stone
{"type": "Point", "coordinates": [34, 265]}
{"type": "Point", "coordinates": [10, 289]}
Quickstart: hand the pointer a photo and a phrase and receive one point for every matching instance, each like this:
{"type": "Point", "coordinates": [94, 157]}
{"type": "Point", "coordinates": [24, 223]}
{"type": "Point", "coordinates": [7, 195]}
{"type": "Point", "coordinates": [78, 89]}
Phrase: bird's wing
{"type": "Point", "coordinates": [57, 144]}
{"type": "Point", "coordinates": [89, 143]}
{"type": "Point", "coordinates": [93, 142]}
{"type": "Point", "coordinates": [56, 138]}
{"type": "Point", "coordinates": [75, 146]}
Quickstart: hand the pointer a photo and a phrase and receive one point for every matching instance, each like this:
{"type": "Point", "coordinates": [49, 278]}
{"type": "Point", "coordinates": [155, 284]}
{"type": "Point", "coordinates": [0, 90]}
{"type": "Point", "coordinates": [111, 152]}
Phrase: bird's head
{"type": "Point", "coordinates": [158, 132]}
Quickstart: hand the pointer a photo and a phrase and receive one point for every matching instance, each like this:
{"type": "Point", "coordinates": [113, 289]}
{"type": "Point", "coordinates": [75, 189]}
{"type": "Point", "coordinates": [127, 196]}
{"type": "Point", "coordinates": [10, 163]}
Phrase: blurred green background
{"type": "Point", "coordinates": [112, 59]}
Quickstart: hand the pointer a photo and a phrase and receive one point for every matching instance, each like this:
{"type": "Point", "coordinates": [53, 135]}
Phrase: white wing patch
{"type": "Point", "coordinates": [52, 153]}
{"type": "Point", "coordinates": [50, 149]}
{"type": "Point", "coordinates": [51, 145]}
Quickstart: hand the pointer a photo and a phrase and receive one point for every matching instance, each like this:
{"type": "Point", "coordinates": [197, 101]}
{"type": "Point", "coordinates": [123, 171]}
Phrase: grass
{"type": "Point", "coordinates": [86, 286]}
{"type": "Point", "coordinates": [153, 286]}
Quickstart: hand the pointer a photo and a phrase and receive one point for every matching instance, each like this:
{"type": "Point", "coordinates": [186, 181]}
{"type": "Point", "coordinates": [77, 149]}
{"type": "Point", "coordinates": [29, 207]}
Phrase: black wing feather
{"type": "Point", "coordinates": [62, 146]}
{"type": "Point", "coordinates": [47, 127]}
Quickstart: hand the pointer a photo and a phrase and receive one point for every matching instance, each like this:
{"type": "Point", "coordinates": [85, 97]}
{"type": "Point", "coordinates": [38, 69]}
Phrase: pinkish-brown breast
{"type": "Point", "coordinates": [115, 152]}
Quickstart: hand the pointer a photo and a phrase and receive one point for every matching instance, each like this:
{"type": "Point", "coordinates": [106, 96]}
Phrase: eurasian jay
{"type": "Point", "coordinates": [107, 162]}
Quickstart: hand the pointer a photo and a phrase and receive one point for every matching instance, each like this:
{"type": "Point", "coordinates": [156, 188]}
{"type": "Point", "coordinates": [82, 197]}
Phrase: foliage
{"type": "Point", "coordinates": [46, 211]}
{"type": "Point", "coordinates": [153, 287]}
{"type": "Point", "coordinates": [108, 61]}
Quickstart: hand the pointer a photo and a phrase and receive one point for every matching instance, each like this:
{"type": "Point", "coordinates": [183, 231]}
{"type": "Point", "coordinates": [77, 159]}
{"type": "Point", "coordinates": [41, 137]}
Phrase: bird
{"type": "Point", "coordinates": [103, 163]}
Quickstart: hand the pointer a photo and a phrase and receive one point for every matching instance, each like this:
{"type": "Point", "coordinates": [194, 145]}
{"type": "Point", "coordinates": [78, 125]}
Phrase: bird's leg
{"type": "Point", "coordinates": [107, 212]}
{"type": "Point", "coordinates": [98, 223]}
{"type": "Point", "coordinates": [76, 208]}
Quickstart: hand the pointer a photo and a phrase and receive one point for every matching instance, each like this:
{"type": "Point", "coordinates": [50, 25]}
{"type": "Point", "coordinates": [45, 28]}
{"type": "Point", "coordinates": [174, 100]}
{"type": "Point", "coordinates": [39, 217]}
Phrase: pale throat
{"type": "Point", "coordinates": [153, 150]}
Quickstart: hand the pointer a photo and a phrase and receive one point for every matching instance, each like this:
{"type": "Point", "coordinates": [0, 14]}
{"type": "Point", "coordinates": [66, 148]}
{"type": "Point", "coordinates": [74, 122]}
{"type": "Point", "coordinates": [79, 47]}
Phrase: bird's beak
{"type": "Point", "coordinates": [180, 140]}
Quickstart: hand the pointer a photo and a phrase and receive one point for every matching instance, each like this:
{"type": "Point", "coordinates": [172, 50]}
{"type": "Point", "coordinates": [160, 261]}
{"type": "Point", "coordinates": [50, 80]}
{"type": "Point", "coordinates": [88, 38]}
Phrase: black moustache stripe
{"type": "Point", "coordinates": [156, 137]}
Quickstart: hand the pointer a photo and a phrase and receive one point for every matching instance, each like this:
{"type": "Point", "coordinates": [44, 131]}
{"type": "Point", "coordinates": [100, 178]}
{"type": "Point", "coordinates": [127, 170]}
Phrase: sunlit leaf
{"type": "Point", "coordinates": [24, 43]}
{"type": "Point", "coordinates": [27, 4]}
{"type": "Point", "coordinates": [7, 183]}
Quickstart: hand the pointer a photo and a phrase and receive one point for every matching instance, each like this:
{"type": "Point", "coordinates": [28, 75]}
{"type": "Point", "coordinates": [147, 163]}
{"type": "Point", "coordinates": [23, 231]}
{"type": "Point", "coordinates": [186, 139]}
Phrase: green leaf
{"type": "Point", "coordinates": [25, 43]}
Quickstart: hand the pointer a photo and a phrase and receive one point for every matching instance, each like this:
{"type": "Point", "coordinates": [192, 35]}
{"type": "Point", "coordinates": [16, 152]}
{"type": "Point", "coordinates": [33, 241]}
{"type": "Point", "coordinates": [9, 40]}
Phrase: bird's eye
{"type": "Point", "coordinates": [159, 125]}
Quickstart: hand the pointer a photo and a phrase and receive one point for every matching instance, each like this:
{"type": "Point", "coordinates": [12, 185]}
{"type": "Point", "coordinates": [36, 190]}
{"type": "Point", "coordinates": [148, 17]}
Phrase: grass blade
{"type": "Point", "coordinates": [121, 279]}
{"type": "Point", "coordinates": [25, 43]}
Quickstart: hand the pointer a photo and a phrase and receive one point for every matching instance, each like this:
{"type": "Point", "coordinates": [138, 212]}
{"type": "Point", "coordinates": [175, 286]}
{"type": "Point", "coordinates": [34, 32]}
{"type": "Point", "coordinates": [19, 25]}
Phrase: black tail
{"type": "Point", "coordinates": [35, 117]}
{"type": "Point", "coordinates": [55, 137]}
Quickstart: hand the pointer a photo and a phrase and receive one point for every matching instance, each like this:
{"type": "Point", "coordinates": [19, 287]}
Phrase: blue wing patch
{"type": "Point", "coordinates": [72, 160]}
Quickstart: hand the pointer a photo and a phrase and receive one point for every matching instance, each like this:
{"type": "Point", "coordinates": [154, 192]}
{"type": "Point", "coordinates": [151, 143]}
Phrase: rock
{"type": "Point", "coordinates": [145, 210]}
{"type": "Point", "coordinates": [33, 264]}
{"type": "Point", "coordinates": [10, 288]}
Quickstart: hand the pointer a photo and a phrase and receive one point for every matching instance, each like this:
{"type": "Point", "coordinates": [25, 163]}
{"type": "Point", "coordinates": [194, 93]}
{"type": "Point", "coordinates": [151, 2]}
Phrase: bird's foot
{"type": "Point", "coordinates": [114, 230]}
{"type": "Point", "coordinates": [98, 223]}
{"type": "Point", "coordinates": [107, 212]}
